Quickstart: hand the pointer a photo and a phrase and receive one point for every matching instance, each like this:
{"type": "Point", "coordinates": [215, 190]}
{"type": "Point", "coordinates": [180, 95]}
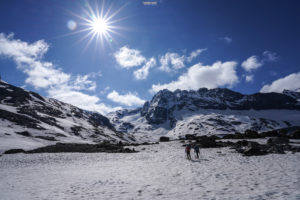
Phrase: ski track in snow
{"type": "Point", "coordinates": [159, 172]}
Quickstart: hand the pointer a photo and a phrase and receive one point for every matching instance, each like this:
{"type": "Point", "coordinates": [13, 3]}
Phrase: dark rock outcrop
{"type": "Point", "coordinates": [13, 151]}
{"type": "Point", "coordinates": [278, 140]}
{"type": "Point", "coordinates": [164, 139]}
{"type": "Point", "coordinates": [160, 109]}
{"type": "Point", "coordinates": [207, 142]}
{"type": "Point", "coordinates": [82, 148]}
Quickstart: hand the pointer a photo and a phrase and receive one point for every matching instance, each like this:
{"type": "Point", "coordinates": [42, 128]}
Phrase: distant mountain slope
{"type": "Point", "coordinates": [28, 120]}
{"type": "Point", "coordinates": [214, 111]}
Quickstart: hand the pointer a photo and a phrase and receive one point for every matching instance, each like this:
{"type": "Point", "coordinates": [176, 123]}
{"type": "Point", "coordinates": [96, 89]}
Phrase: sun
{"type": "Point", "coordinates": [99, 26]}
{"type": "Point", "coordinates": [98, 23]}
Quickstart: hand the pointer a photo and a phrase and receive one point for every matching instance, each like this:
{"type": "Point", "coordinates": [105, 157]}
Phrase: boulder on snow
{"type": "Point", "coordinates": [206, 142]}
{"type": "Point", "coordinates": [278, 149]}
{"type": "Point", "coordinates": [272, 133]}
{"type": "Point", "coordinates": [234, 136]}
{"type": "Point", "coordinates": [242, 143]}
{"type": "Point", "coordinates": [82, 148]}
{"type": "Point", "coordinates": [13, 151]}
{"type": "Point", "coordinates": [251, 134]}
{"type": "Point", "coordinates": [164, 139]}
{"type": "Point", "coordinates": [190, 137]}
{"type": "Point", "coordinates": [24, 133]}
{"type": "Point", "coordinates": [253, 149]}
{"type": "Point", "coordinates": [295, 135]}
{"type": "Point", "coordinates": [278, 140]}
{"type": "Point", "coordinates": [50, 138]}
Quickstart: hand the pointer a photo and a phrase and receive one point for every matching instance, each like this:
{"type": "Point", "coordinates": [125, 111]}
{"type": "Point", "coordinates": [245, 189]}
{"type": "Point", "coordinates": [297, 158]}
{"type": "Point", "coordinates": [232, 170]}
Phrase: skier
{"type": "Point", "coordinates": [188, 151]}
{"type": "Point", "coordinates": [197, 150]}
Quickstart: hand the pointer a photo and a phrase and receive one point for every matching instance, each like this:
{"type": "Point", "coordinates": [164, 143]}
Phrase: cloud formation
{"type": "Point", "coordinates": [143, 72]}
{"type": "Point", "coordinates": [249, 78]}
{"type": "Point", "coordinates": [42, 74]}
{"type": "Point", "coordinates": [197, 76]}
{"type": "Point", "coordinates": [28, 58]}
{"type": "Point", "coordinates": [194, 54]}
{"type": "Point", "coordinates": [226, 39]}
{"type": "Point", "coordinates": [128, 58]}
{"type": "Point", "coordinates": [269, 56]}
{"type": "Point", "coordinates": [171, 62]}
{"type": "Point", "coordinates": [290, 82]}
{"type": "Point", "coordinates": [251, 63]}
{"type": "Point", "coordinates": [128, 99]}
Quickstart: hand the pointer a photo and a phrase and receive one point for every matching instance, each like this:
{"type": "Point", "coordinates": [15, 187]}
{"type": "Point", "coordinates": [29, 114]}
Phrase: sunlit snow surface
{"type": "Point", "coordinates": [159, 172]}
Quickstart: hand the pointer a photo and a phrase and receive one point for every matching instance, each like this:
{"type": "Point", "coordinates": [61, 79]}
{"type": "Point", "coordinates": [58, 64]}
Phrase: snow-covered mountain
{"type": "Point", "coordinates": [214, 111]}
{"type": "Point", "coordinates": [28, 120]}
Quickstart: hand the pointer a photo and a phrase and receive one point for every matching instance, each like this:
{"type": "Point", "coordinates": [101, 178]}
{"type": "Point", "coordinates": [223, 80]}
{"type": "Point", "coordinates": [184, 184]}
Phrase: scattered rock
{"type": "Point", "coordinates": [82, 148]}
{"type": "Point", "coordinates": [24, 133]}
{"type": "Point", "coordinates": [278, 140]}
{"type": "Point", "coordinates": [190, 137]}
{"type": "Point", "coordinates": [13, 151]}
{"type": "Point", "coordinates": [164, 139]}
{"type": "Point", "coordinates": [251, 134]}
{"type": "Point", "coordinates": [278, 149]}
{"type": "Point", "coordinates": [46, 138]}
{"type": "Point", "coordinates": [207, 142]}
{"type": "Point", "coordinates": [253, 149]}
{"type": "Point", "coordinates": [295, 135]}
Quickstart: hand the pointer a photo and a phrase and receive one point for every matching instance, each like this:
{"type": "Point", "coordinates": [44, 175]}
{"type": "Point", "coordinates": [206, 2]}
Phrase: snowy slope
{"type": "Point", "coordinates": [159, 172]}
{"type": "Point", "coordinates": [28, 120]}
{"type": "Point", "coordinates": [205, 112]}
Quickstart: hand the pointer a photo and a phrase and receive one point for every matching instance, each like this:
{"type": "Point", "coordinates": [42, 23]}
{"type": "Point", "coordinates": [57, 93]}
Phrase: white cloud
{"type": "Point", "coordinates": [80, 99]}
{"type": "Point", "coordinates": [83, 83]}
{"type": "Point", "coordinates": [128, 99]}
{"type": "Point", "coordinates": [251, 63]}
{"type": "Point", "coordinates": [270, 56]}
{"type": "Point", "coordinates": [105, 90]}
{"type": "Point", "coordinates": [143, 72]}
{"type": "Point", "coordinates": [290, 82]}
{"type": "Point", "coordinates": [42, 74]}
{"type": "Point", "coordinates": [28, 58]}
{"type": "Point", "coordinates": [173, 60]}
{"type": "Point", "coordinates": [197, 76]}
{"type": "Point", "coordinates": [249, 78]}
{"type": "Point", "coordinates": [226, 39]}
{"type": "Point", "coordinates": [22, 51]}
{"type": "Point", "coordinates": [128, 58]}
{"type": "Point", "coordinates": [194, 54]}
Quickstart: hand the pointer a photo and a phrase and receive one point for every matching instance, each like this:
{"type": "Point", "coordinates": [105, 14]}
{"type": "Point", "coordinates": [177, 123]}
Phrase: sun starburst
{"type": "Point", "coordinates": [98, 24]}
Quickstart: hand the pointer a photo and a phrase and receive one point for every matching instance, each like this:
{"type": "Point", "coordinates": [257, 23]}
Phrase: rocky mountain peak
{"type": "Point", "coordinates": [293, 93]}
{"type": "Point", "coordinates": [164, 103]}
{"type": "Point", "coordinates": [27, 116]}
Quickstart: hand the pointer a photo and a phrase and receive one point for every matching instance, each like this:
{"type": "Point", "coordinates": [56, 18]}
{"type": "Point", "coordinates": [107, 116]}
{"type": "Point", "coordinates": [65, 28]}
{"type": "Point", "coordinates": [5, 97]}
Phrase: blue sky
{"type": "Point", "coordinates": [248, 46]}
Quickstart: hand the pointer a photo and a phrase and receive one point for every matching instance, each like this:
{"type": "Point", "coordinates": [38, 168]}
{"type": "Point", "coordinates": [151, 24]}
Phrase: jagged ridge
{"type": "Point", "coordinates": [210, 111]}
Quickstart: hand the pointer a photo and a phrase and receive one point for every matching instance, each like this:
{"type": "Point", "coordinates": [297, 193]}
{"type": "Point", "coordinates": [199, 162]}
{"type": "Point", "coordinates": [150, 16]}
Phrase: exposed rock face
{"type": "Point", "coordinates": [162, 105]}
{"type": "Point", "coordinates": [210, 111]}
{"type": "Point", "coordinates": [27, 115]}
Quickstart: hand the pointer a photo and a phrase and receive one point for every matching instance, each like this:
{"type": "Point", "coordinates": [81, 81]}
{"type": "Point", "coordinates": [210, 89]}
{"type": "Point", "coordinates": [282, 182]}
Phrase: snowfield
{"type": "Point", "coordinates": [158, 172]}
